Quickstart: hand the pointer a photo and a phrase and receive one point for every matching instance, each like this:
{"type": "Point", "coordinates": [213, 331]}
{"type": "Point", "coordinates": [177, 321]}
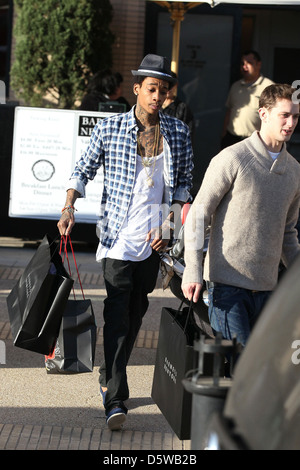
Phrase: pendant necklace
{"type": "Point", "coordinates": [150, 161]}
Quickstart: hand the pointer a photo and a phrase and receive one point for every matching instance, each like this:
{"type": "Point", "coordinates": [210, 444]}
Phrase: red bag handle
{"type": "Point", "coordinates": [65, 239]}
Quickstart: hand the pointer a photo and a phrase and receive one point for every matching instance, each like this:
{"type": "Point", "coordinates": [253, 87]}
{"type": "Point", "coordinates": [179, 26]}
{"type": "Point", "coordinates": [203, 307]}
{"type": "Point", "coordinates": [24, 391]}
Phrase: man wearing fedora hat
{"type": "Point", "coordinates": [147, 160]}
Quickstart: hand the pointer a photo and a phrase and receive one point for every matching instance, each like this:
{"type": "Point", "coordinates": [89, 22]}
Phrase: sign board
{"type": "Point", "coordinates": [46, 145]}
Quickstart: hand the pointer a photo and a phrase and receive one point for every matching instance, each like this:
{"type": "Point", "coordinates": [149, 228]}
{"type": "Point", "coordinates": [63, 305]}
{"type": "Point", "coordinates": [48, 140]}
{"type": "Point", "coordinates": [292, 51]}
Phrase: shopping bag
{"type": "Point", "coordinates": [37, 302]}
{"type": "Point", "coordinates": [175, 356]}
{"type": "Point", "coordinates": [74, 350]}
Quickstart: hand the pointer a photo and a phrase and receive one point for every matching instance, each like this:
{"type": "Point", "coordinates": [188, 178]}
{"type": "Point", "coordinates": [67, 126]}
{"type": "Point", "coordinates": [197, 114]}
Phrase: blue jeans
{"type": "Point", "coordinates": [233, 311]}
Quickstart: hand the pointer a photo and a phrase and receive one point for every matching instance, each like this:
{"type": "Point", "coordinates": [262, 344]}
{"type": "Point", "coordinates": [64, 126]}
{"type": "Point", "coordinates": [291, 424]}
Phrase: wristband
{"type": "Point", "coordinates": [69, 208]}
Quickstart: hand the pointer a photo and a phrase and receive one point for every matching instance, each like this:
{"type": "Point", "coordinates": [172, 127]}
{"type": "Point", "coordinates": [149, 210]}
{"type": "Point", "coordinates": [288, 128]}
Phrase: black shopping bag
{"type": "Point", "coordinates": [74, 350]}
{"type": "Point", "coordinates": [175, 356]}
{"type": "Point", "coordinates": [37, 302]}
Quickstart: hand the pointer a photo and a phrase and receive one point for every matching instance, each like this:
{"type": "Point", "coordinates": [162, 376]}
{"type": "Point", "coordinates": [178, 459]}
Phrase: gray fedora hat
{"type": "Point", "coordinates": [156, 66]}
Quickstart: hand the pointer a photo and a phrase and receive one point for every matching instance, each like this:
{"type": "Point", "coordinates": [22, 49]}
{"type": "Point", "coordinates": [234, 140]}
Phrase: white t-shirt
{"type": "Point", "coordinates": [143, 214]}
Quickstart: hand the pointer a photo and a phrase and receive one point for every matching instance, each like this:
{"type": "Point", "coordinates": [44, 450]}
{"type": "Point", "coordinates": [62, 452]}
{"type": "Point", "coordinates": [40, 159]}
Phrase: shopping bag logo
{"type": "Point", "coordinates": [170, 370]}
{"type": "Point", "coordinates": [57, 351]}
{"type": "Point", "coordinates": [28, 286]}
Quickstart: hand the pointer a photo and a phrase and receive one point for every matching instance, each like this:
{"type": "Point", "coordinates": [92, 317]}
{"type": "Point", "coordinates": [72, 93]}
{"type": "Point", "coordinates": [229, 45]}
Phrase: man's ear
{"type": "Point", "coordinates": [264, 114]}
{"type": "Point", "coordinates": [136, 88]}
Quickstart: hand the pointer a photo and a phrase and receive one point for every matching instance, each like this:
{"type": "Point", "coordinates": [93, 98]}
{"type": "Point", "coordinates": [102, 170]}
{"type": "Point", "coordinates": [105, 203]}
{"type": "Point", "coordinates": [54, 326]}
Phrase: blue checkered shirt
{"type": "Point", "coordinates": [113, 144]}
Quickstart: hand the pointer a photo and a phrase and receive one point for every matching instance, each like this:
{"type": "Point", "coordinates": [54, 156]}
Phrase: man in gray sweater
{"type": "Point", "coordinates": [250, 197]}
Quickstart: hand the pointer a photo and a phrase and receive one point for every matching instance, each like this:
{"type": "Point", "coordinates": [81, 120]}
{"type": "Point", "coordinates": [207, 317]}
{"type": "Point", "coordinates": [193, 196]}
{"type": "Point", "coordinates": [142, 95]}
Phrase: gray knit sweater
{"type": "Point", "coordinates": [252, 204]}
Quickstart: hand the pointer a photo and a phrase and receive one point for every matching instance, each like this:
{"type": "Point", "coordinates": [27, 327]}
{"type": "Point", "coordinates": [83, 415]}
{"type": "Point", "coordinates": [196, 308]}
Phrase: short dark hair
{"type": "Point", "coordinates": [272, 93]}
{"type": "Point", "coordinates": [254, 53]}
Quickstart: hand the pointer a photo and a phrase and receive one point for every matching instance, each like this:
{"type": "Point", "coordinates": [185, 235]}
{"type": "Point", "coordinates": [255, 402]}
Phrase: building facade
{"type": "Point", "coordinates": [211, 42]}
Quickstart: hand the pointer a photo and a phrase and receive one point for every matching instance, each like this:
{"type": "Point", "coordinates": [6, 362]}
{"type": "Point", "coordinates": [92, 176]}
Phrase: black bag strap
{"type": "Point", "coordinates": [52, 244]}
{"type": "Point", "coordinates": [188, 315]}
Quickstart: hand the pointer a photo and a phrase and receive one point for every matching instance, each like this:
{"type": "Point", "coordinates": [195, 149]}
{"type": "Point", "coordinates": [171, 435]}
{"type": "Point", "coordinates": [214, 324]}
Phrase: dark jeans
{"type": "Point", "coordinates": [234, 310]}
{"type": "Point", "coordinates": [127, 284]}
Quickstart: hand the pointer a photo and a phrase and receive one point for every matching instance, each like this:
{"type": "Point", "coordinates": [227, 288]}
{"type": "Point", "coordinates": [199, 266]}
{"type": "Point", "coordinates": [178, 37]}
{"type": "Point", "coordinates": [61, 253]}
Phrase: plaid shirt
{"type": "Point", "coordinates": [113, 144]}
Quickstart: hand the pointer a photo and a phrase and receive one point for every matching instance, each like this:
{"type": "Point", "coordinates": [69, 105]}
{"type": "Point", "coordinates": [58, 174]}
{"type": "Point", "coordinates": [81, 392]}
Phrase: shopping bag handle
{"type": "Point", "coordinates": [188, 315]}
{"type": "Point", "coordinates": [65, 239]}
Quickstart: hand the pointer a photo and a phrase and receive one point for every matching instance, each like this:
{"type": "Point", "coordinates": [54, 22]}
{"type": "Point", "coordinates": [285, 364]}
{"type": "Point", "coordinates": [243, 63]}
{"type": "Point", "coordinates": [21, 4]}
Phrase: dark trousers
{"type": "Point", "coordinates": [127, 284]}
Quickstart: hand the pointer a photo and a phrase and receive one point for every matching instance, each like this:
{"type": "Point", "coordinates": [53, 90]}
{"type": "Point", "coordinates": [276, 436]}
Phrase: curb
{"type": "Point", "coordinates": [30, 437]}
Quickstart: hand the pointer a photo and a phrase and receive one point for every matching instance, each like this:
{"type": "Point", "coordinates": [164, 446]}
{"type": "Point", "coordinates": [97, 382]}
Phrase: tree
{"type": "Point", "coordinates": [59, 44]}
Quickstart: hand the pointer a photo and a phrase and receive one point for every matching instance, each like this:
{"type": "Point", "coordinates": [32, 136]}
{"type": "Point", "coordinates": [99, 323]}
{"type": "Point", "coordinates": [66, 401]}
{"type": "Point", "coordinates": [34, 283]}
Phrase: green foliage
{"type": "Point", "coordinates": [59, 43]}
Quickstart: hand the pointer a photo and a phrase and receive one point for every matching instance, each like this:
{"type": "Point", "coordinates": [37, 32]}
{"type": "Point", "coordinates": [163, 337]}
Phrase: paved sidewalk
{"type": "Point", "coordinates": [65, 412]}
